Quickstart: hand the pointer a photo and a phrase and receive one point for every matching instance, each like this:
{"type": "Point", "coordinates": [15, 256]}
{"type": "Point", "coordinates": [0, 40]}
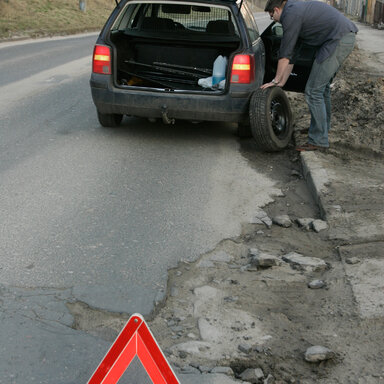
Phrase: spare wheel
{"type": "Point", "coordinates": [271, 119]}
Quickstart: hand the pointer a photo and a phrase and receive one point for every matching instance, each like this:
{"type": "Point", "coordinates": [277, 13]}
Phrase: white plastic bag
{"type": "Point", "coordinates": [207, 83]}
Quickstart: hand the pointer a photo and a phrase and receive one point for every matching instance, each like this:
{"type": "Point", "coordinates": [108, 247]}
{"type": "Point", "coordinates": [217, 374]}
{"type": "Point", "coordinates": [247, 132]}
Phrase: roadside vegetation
{"type": "Point", "coordinates": [33, 18]}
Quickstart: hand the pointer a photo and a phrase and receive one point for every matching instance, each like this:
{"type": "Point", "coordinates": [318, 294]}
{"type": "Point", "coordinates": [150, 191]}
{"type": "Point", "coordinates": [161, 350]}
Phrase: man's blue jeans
{"type": "Point", "coordinates": [318, 91]}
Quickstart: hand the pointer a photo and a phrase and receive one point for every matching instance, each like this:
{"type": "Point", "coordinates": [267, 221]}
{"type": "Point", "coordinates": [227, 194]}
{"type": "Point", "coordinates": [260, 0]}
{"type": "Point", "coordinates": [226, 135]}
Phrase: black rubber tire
{"type": "Point", "coordinates": [244, 131]}
{"type": "Point", "coordinates": [271, 119]}
{"type": "Point", "coordinates": [109, 119]}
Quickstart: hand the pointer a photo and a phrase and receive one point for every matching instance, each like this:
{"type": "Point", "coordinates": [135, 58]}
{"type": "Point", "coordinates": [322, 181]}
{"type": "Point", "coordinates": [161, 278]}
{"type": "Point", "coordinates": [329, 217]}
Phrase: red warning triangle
{"type": "Point", "coordinates": [134, 340]}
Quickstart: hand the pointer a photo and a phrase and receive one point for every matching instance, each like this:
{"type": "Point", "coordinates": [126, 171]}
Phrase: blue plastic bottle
{"type": "Point", "coordinates": [219, 68]}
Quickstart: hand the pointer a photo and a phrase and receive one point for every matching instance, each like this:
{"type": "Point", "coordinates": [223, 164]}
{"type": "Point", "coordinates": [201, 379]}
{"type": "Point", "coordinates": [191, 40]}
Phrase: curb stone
{"type": "Point", "coordinates": [317, 179]}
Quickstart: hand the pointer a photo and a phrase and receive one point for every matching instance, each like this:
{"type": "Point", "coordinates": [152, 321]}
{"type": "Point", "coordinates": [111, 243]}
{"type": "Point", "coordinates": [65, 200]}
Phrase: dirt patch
{"type": "Point", "coordinates": [357, 128]}
{"type": "Point", "coordinates": [206, 322]}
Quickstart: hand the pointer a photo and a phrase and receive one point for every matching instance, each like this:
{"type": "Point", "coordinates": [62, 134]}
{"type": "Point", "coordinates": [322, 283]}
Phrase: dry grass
{"type": "Point", "coordinates": [21, 18]}
{"type": "Point", "coordinates": [50, 17]}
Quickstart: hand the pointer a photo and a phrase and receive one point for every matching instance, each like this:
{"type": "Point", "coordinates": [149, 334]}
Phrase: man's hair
{"type": "Point", "coordinates": [271, 4]}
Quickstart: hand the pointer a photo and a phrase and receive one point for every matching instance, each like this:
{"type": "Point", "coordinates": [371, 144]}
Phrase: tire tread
{"type": "Point", "coordinates": [259, 112]}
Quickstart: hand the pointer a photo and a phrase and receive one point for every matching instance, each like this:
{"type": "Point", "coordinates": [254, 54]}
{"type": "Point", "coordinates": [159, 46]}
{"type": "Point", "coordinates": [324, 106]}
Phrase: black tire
{"type": "Point", "coordinates": [271, 119]}
{"type": "Point", "coordinates": [244, 131]}
{"type": "Point", "coordinates": [109, 119]}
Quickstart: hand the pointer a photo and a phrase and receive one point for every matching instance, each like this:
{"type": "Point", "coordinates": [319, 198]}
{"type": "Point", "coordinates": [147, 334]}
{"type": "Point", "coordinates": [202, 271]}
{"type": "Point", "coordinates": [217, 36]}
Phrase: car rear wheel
{"type": "Point", "coordinates": [271, 119]}
{"type": "Point", "coordinates": [109, 119]}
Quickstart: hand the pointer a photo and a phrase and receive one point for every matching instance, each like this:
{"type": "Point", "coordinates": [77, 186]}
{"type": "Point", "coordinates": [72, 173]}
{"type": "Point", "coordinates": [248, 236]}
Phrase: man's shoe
{"type": "Point", "coordinates": [310, 147]}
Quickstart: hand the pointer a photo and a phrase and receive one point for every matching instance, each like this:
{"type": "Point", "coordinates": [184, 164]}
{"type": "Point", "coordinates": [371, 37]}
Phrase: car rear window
{"type": "Point", "coordinates": [172, 16]}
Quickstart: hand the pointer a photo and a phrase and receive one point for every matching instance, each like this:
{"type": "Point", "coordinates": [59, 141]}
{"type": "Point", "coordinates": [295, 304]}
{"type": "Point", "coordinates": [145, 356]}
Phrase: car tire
{"type": "Point", "coordinates": [109, 119]}
{"type": "Point", "coordinates": [271, 119]}
{"type": "Point", "coordinates": [244, 130]}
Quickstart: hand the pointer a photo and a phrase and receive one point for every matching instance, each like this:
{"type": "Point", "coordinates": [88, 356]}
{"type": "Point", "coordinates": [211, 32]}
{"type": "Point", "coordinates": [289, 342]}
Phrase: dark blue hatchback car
{"type": "Point", "coordinates": [159, 59]}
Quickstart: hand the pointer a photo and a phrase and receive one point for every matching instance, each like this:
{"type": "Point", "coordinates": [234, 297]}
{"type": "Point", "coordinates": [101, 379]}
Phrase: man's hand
{"type": "Point", "coordinates": [268, 85]}
{"type": "Point", "coordinates": [284, 69]}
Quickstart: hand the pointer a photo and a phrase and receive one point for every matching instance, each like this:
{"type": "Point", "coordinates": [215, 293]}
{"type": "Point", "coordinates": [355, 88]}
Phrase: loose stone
{"type": "Point", "coordinates": [316, 284]}
{"type": "Point", "coordinates": [204, 369]}
{"type": "Point", "coordinates": [318, 353]}
{"type": "Point", "coordinates": [283, 221]}
{"type": "Point", "coordinates": [252, 375]}
{"type": "Point", "coordinates": [223, 370]}
{"type": "Point", "coordinates": [264, 260]}
{"type": "Point", "coordinates": [352, 260]}
{"type": "Point", "coordinates": [267, 221]}
{"type": "Point", "coordinates": [259, 217]}
{"type": "Point", "coordinates": [319, 225]}
{"type": "Point", "coordinates": [307, 263]}
{"type": "Point", "coordinates": [256, 220]}
{"type": "Point", "coordinates": [245, 348]}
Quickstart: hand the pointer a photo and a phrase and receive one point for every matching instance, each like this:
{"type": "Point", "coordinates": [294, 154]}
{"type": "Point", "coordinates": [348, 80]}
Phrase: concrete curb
{"type": "Point", "coordinates": [347, 196]}
{"type": "Point", "coordinates": [317, 179]}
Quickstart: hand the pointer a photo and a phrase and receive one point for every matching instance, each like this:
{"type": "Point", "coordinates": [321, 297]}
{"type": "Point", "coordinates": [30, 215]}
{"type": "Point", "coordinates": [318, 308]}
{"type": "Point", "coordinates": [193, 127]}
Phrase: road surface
{"type": "Point", "coordinates": [99, 215]}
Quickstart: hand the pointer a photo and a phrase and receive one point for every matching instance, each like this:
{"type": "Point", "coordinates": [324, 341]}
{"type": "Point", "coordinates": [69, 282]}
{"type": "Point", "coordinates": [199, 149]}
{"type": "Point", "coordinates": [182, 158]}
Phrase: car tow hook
{"type": "Point", "coordinates": [165, 117]}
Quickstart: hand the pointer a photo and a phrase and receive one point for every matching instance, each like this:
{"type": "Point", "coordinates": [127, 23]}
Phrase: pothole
{"type": "Point", "coordinates": [97, 322]}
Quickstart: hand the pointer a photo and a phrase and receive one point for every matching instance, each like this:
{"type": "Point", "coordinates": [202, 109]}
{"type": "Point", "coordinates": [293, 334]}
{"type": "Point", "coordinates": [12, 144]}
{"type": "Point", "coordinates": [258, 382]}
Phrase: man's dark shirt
{"type": "Point", "coordinates": [314, 23]}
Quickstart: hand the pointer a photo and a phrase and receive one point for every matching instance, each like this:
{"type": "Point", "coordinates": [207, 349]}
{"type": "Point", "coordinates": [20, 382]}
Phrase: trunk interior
{"type": "Point", "coordinates": [172, 61]}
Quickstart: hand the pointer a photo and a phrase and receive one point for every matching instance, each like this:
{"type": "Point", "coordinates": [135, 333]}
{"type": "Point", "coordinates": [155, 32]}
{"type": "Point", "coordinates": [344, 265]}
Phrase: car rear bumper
{"type": "Point", "coordinates": [230, 107]}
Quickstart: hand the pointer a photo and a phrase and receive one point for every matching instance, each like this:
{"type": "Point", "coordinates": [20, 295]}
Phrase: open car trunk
{"type": "Point", "coordinates": [171, 46]}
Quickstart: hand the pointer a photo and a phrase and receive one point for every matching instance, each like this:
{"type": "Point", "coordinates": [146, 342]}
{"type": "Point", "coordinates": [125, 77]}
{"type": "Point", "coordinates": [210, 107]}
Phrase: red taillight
{"type": "Point", "coordinates": [243, 69]}
{"type": "Point", "coordinates": [102, 60]}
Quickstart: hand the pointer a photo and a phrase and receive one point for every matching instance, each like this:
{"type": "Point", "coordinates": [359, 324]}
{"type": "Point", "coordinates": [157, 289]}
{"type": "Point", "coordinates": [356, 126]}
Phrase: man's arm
{"type": "Point", "coordinates": [284, 69]}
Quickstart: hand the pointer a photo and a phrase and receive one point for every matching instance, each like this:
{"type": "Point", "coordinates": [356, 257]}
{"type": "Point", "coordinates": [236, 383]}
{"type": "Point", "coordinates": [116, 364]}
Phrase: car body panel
{"type": "Point", "coordinates": [230, 104]}
{"type": "Point", "coordinates": [152, 103]}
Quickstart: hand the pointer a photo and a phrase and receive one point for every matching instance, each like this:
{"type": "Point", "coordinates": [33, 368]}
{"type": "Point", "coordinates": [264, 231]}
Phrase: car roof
{"type": "Point", "coordinates": [197, 1]}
